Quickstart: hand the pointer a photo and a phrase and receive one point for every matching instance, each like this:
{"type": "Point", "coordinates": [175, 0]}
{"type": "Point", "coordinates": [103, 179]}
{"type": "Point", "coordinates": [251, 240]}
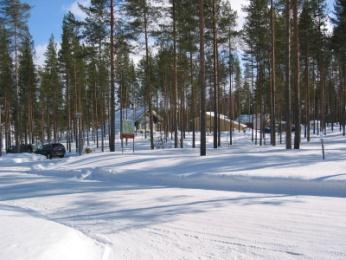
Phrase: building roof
{"type": "Point", "coordinates": [225, 118]}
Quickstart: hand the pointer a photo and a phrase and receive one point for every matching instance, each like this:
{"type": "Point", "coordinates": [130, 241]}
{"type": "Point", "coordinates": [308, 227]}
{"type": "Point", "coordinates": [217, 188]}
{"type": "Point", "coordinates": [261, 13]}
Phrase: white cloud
{"type": "Point", "coordinates": [40, 50]}
{"type": "Point", "coordinates": [329, 27]}
{"type": "Point", "coordinates": [237, 5]}
{"type": "Point", "coordinates": [74, 8]}
{"type": "Point", "coordinates": [39, 53]}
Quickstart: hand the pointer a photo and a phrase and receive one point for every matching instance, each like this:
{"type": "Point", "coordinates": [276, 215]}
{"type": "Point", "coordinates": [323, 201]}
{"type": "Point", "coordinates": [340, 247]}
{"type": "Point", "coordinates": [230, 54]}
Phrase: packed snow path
{"type": "Point", "coordinates": [243, 202]}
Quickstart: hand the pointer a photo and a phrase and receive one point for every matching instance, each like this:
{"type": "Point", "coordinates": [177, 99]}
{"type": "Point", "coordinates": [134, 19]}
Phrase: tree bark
{"type": "Point", "coordinates": [288, 76]}
{"type": "Point", "coordinates": [230, 89]}
{"type": "Point", "coordinates": [215, 106]}
{"type": "Point", "coordinates": [193, 113]}
{"type": "Point", "coordinates": [175, 83]}
{"type": "Point", "coordinates": [273, 78]}
{"type": "Point", "coordinates": [112, 88]}
{"type": "Point", "coordinates": [203, 151]}
{"type": "Point", "coordinates": [297, 110]}
{"type": "Point", "coordinates": [344, 102]}
{"type": "Point", "coordinates": [307, 105]}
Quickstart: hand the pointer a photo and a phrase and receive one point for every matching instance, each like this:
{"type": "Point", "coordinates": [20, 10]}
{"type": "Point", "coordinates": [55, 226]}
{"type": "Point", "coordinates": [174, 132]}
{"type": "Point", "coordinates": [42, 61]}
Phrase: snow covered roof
{"type": "Point", "coordinates": [225, 118]}
{"type": "Point", "coordinates": [221, 116]}
{"type": "Point", "coordinates": [130, 114]}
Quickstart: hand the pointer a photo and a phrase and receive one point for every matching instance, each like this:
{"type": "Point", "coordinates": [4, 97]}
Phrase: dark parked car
{"type": "Point", "coordinates": [23, 148]}
{"type": "Point", "coordinates": [52, 150]}
{"type": "Point", "coordinates": [267, 130]}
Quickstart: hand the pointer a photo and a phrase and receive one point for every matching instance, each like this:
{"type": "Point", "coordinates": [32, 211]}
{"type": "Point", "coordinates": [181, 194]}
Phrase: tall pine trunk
{"type": "Point", "coordinates": [147, 77]}
{"type": "Point", "coordinates": [297, 111]}
{"type": "Point", "coordinates": [307, 97]}
{"type": "Point", "coordinates": [273, 78]}
{"type": "Point", "coordinates": [230, 90]}
{"type": "Point", "coordinates": [203, 150]}
{"type": "Point", "coordinates": [288, 76]}
{"type": "Point", "coordinates": [344, 101]}
{"type": "Point", "coordinates": [193, 113]}
{"type": "Point", "coordinates": [175, 83]}
{"type": "Point", "coordinates": [215, 106]}
{"type": "Point", "coordinates": [112, 88]}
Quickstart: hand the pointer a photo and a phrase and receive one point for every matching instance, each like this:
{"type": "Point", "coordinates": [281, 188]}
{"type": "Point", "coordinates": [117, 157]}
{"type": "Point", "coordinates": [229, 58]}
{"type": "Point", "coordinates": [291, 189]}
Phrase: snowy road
{"type": "Point", "coordinates": [172, 205]}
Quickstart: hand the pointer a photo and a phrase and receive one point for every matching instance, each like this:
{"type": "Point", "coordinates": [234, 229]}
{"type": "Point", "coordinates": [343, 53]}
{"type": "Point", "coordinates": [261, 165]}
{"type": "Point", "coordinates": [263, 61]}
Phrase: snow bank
{"type": "Point", "coordinates": [21, 158]}
{"type": "Point", "coordinates": [25, 236]}
{"type": "Point", "coordinates": [242, 167]}
{"type": "Point", "coordinates": [261, 184]}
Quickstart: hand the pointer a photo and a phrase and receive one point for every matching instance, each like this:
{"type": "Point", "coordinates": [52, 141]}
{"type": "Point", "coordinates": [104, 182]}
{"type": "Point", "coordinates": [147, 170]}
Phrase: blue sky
{"type": "Point", "coordinates": [46, 19]}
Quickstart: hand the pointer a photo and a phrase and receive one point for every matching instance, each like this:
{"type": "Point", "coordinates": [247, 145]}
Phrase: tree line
{"type": "Point", "coordinates": [292, 71]}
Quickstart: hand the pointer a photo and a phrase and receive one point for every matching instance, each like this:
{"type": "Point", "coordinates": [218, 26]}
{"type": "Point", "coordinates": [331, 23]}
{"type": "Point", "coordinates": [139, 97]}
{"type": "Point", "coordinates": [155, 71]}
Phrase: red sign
{"type": "Point", "coordinates": [127, 136]}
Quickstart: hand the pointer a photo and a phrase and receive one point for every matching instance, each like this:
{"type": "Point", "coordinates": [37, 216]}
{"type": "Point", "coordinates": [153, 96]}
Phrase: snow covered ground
{"type": "Point", "coordinates": [240, 202]}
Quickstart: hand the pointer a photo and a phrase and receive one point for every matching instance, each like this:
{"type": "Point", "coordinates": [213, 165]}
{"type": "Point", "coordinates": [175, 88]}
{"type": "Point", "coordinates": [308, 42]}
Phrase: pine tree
{"type": "Point", "coordinates": [66, 70]}
{"type": "Point", "coordinates": [338, 43]}
{"type": "Point", "coordinates": [187, 40]}
{"type": "Point", "coordinates": [257, 38]}
{"type": "Point", "coordinates": [288, 76]}
{"type": "Point", "coordinates": [321, 57]}
{"type": "Point", "coordinates": [96, 32]}
{"type": "Point", "coordinates": [272, 75]}
{"type": "Point", "coordinates": [175, 76]}
{"type": "Point", "coordinates": [227, 34]}
{"type": "Point", "coordinates": [6, 88]}
{"type": "Point", "coordinates": [85, 81]}
{"type": "Point", "coordinates": [297, 105]}
{"type": "Point", "coordinates": [112, 82]}
{"type": "Point", "coordinates": [51, 93]}
{"type": "Point", "coordinates": [27, 90]}
{"type": "Point", "coordinates": [15, 16]}
{"type": "Point", "coordinates": [215, 9]}
{"type": "Point", "coordinates": [306, 42]}
{"type": "Point", "coordinates": [203, 151]}
{"type": "Point", "coordinates": [142, 16]}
